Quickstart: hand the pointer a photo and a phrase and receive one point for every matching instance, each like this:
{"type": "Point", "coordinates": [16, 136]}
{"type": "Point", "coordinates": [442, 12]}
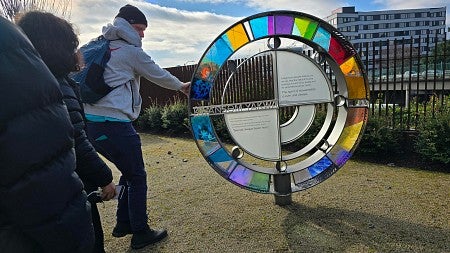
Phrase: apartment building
{"type": "Point", "coordinates": [420, 28]}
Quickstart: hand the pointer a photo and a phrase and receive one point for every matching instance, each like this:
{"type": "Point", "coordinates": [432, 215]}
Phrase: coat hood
{"type": "Point", "coordinates": [121, 29]}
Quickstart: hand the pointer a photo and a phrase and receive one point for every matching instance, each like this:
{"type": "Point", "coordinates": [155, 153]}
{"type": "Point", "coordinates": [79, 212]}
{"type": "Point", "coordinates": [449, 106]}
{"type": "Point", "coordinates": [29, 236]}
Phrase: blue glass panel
{"type": "Point", "coordinates": [259, 27]}
{"type": "Point", "coordinates": [200, 89]}
{"type": "Point", "coordinates": [219, 52]}
{"type": "Point", "coordinates": [202, 128]}
{"type": "Point", "coordinates": [319, 166]}
{"type": "Point", "coordinates": [220, 156]}
{"type": "Point", "coordinates": [339, 155]}
{"type": "Point", "coordinates": [322, 38]}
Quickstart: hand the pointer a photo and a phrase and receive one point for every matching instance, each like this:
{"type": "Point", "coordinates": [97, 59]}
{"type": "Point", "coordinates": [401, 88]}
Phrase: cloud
{"type": "Point", "coordinates": [173, 36]}
{"type": "Point", "coordinates": [412, 4]}
{"type": "Point", "coordinates": [313, 7]}
{"type": "Point", "coordinates": [317, 8]}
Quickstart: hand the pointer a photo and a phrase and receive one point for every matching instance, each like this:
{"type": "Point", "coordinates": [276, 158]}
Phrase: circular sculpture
{"type": "Point", "coordinates": [270, 101]}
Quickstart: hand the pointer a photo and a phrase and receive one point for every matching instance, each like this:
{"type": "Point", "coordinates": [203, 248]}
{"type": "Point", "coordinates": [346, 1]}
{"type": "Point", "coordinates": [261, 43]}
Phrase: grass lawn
{"type": "Point", "coordinates": [364, 207]}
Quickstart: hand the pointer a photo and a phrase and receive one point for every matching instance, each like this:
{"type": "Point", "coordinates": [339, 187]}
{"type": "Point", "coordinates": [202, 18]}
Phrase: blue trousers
{"type": "Point", "coordinates": [119, 143]}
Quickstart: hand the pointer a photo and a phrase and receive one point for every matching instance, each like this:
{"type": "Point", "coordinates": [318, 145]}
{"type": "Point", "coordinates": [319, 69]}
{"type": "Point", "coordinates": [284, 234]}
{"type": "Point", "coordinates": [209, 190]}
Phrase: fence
{"type": "Point", "coordinates": [408, 79]}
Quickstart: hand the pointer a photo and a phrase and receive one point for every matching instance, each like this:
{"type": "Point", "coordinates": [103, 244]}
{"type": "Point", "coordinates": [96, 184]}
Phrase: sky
{"type": "Point", "coordinates": [180, 31]}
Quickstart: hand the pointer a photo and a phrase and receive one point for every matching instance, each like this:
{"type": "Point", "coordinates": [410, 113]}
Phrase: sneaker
{"type": "Point", "coordinates": [122, 229]}
{"type": "Point", "coordinates": [147, 237]}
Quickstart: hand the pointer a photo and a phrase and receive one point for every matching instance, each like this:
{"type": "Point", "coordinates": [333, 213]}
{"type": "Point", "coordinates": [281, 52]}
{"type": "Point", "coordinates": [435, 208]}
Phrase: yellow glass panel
{"type": "Point", "coordinates": [350, 67]}
{"type": "Point", "coordinates": [350, 136]}
{"type": "Point", "coordinates": [356, 87]}
{"type": "Point", "coordinates": [237, 36]}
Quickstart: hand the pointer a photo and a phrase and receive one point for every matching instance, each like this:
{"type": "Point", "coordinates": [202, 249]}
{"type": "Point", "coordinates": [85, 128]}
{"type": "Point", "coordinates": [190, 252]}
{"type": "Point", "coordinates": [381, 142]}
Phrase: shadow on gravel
{"type": "Point", "coordinates": [324, 229]}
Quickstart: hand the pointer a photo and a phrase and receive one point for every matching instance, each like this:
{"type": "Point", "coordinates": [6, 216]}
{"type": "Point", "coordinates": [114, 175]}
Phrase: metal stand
{"type": "Point", "coordinates": [282, 185]}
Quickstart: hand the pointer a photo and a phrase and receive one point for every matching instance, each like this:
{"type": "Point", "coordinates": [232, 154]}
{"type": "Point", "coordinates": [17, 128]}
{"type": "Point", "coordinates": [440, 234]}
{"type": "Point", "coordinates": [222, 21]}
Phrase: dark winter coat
{"type": "Point", "coordinates": [92, 170]}
{"type": "Point", "coordinates": [42, 202]}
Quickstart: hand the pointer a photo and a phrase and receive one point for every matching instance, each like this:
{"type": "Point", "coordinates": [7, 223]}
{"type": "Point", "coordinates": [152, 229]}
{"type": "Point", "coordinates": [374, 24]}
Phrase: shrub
{"type": "Point", "coordinates": [150, 119]}
{"type": "Point", "coordinates": [174, 117]}
{"type": "Point", "coordinates": [380, 138]}
{"type": "Point", "coordinates": [433, 139]}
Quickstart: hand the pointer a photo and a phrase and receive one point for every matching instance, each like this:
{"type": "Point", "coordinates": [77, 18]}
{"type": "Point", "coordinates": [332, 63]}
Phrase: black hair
{"type": "Point", "coordinates": [55, 40]}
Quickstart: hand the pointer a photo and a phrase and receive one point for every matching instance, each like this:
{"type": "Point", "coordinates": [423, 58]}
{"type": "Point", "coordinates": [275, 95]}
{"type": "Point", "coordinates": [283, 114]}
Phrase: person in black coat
{"type": "Point", "coordinates": [56, 41]}
{"type": "Point", "coordinates": [43, 207]}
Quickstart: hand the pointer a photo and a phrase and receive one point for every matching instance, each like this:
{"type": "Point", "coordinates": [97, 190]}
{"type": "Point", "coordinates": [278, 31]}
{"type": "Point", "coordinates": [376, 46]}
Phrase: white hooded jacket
{"type": "Point", "coordinates": [127, 64]}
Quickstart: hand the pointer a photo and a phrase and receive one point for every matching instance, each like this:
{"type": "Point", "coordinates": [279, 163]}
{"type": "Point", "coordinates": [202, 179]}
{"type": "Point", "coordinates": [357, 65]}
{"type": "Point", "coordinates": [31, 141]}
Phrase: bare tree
{"type": "Point", "coordinates": [10, 8]}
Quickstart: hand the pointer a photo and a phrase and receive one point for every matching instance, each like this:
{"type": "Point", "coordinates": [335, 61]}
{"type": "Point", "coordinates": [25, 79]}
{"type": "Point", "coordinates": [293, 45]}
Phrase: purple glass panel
{"type": "Point", "coordinates": [284, 24]}
{"type": "Point", "coordinates": [270, 23]}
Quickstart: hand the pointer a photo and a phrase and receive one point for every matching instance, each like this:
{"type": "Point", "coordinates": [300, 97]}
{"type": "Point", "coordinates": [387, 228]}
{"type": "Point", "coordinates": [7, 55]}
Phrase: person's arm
{"type": "Point", "coordinates": [147, 68]}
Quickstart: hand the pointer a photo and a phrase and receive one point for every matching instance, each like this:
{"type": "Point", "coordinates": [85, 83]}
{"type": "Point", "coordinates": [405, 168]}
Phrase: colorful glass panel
{"type": "Point", "coordinates": [339, 53]}
{"type": "Point", "coordinates": [200, 89]}
{"type": "Point", "coordinates": [322, 38]}
{"type": "Point", "coordinates": [204, 134]}
{"type": "Point", "coordinates": [236, 36]}
{"type": "Point", "coordinates": [284, 24]}
{"type": "Point", "coordinates": [356, 118]}
{"type": "Point", "coordinates": [319, 166]}
{"type": "Point", "coordinates": [250, 179]}
{"type": "Point", "coordinates": [356, 85]}
{"type": "Point", "coordinates": [305, 27]}
{"type": "Point", "coordinates": [218, 52]}
{"type": "Point", "coordinates": [259, 27]}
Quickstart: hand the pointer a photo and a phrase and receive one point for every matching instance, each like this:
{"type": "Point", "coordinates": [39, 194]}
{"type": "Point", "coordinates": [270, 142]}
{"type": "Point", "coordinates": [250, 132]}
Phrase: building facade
{"type": "Point", "coordinates": [381, 30]}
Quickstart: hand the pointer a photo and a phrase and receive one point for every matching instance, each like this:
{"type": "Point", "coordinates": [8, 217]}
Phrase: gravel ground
{"type": "Point", "coordinates": [364, 207]}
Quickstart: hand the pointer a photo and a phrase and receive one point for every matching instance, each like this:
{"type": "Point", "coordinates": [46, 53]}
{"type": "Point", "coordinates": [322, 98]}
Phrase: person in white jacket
{"type": "Point", "coordinates": [109, 120]}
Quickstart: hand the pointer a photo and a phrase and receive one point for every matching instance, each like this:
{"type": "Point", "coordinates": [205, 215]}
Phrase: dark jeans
{"type": "Point", "coordinates": [119, 143]}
